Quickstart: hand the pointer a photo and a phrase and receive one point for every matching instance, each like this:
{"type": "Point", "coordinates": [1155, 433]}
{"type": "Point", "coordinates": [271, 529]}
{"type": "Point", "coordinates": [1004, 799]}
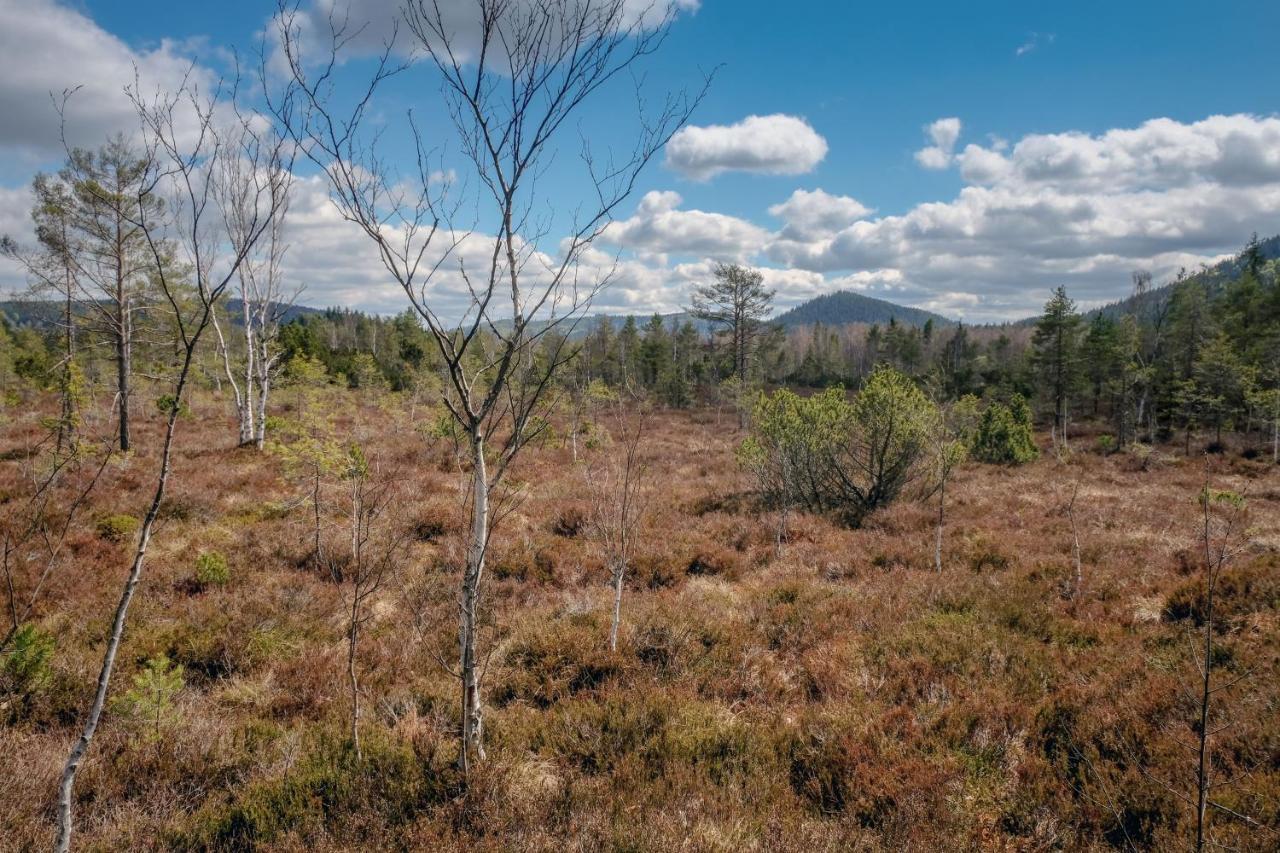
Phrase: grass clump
{"type": "Point", "coordinates": [212, 569]}
{"type": "Point", "coordinates": [117, 527]}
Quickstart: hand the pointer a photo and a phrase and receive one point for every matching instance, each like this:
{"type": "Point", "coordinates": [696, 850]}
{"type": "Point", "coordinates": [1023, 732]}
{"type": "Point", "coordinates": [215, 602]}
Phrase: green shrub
{"type": "Point", "coordinates": [167, 403]}
{"type": "Point", "coordinates": [848, 457]}
{"type": "Point", "coordinates": [328, 789]}
{"type": "Point", "coordinates": [211, 569]}
{"type": "Point", "coordinates": [1004, 434]}
{"type": "Point", "coordinates": [26, 665]}
{"type": "Point", "coordinates": [117, 528]}
{"type": "Point", "coordinates": [150, 701]}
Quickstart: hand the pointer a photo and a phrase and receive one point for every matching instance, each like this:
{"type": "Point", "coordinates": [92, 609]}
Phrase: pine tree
{"type": "Point", "coordinates": [1056, 356]}
{"type": "Point", "coordinates": [737, 302]}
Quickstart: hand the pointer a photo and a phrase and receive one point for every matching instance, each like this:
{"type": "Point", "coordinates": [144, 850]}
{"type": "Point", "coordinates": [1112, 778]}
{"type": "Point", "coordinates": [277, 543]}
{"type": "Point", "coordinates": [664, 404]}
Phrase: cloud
{"type": "Point", "coordinates": [771, 145]}
{"type": "Point", "coordinates": [369, 25]}
{"type": "Point", "coordinates": [1071, 208]}
{"type": "Point", "coordinates": [1033, 42]}
{"type": "Point", "coordinates": [810, 214]}
{"type": "Point", "coordinates": [1231, 150]}
{"type": "Point", "coordinates": [660, 227]}
{"type": "Point", "coordinates": [49, 48]}
{"type": "Point", "coordinates": [1075, 209]}
{"type": "Point", "coordinates": [943, 133]}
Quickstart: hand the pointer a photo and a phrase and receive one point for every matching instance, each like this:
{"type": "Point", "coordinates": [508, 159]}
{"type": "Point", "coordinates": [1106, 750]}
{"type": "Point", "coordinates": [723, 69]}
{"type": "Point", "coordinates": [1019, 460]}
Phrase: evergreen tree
{"type": "Point", "coordinates": [1056, 356]}
{"type": "Point", "coordinates": [736, 302]}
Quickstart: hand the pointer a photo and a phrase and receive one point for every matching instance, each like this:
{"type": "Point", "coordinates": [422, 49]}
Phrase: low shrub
{"type": "Point", "coordinates": [212, 569]}
{"type": "Point", "coordinates": [570, 523]}
{"type": "Point", "coordinates": [1241, 590]}
{"type": "Point", "coordinates": [329, 788]}
{"type": "Point", "coordinates": [117, 528]}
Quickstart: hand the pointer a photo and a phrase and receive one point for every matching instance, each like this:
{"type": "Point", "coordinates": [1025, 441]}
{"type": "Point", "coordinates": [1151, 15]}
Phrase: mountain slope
{"type": "Point", "coordinates": [1214, 278]}
{"type": "Point", "coordinates": [844, 307]}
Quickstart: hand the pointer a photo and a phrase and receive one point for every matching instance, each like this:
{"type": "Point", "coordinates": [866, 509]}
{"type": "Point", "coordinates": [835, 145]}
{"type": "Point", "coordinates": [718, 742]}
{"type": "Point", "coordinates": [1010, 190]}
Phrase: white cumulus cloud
{"type": "Point", "coordinates": [659, 226]}
{"type": "Point", "coordinates": [772, 145]}
{"type": "Point", "coordinates": [815, 213]}
{"type": "Point", "coordinates": [943, 133]}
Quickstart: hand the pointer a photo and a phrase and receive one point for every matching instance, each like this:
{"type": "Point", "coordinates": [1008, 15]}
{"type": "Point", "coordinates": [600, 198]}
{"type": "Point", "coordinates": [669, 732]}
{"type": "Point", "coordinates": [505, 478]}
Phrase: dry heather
{"type": "Point", "coordinates": [839, 696]}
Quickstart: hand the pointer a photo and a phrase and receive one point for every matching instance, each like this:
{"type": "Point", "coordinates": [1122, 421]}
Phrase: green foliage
{"type": "Point", "coordinates": [167, 404]}
{"type": "Point", "coordinates": [1056, 352]}
{"type": "Point", "coordinates": [26, 663]}
{"type": "Point", "coordinates": [118, 527]}
{"type": "Point", "coordinates": [328, 787]}
{"type": "Point", "coordinates": [150, 701]}
{"type": "Point", "coordinates": [212, 569]}
{"type": "Point", "coordinates": [830, 454]}
{"type": "Point", "coordinates": [1004, 435]}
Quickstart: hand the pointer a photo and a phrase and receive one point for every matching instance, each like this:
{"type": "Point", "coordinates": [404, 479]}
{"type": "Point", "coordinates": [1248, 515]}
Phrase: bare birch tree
{"type": "Point", "coordinates": [187, 150]}
{"type": "Point", "coordinates": [617, 486]}
{"type": "Point", "coordinates": [510, 93]}
{"type": "Point", "coordinates": [264, 303]}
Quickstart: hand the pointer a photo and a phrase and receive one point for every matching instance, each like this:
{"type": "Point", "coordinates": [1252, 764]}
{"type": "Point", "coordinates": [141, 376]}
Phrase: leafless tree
{"type": "Point", "coordinates": [1222, 538]}
{"type": "Point", "coordinates": [264, 304]}
{"type": "Point", "coordinates": [1077, 588]}
{"type": "Point", "coordinates": [187, 139]}
{"type": "Point", "coordinates": [617, 486]}
{"type": "Point", "coordinates": [511, 94]}
{"type": "Point", "coordinates": [374, 549]}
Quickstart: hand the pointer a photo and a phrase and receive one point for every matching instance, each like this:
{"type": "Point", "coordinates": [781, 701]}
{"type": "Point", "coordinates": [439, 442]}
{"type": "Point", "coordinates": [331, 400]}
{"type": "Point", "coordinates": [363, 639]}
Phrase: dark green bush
{"type": "Point", "coordinates": [1005, 436]}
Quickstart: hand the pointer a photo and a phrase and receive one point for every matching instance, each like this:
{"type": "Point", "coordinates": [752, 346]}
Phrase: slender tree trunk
{"type": "Point", "coordinates": [247, 431]}
{"type": "Point", "coordinates": [472, 735]}
{"type": "Point", "coordinates": [619, 575]}
{"type": "Point", "coordinates": [1075, 544]}
{"type": "Point", "coordinates": [1203, 762]}
{"type": "Point", "coordinates": [81, 746]}
{"type": "Point", "coordinates": [315, 506]}
{"type": "Point", "coordinates": [264, 388]}
{"type": "Point", "coordinates": [124, 357]}
{"type": "Point", "coordinates": [937, 541]}
{"type": "Point", "coordinates": [353, 633]}
{"type": "Point", "coordinates": [67, 426]}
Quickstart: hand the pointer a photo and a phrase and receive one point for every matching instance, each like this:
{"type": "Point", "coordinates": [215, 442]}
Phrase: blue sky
{"type": "Point", "coordinates": [1068, 181]}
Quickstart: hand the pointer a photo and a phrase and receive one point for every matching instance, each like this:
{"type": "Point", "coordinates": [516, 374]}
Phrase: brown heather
{"type": "Point", "coordinates": [841, 696]}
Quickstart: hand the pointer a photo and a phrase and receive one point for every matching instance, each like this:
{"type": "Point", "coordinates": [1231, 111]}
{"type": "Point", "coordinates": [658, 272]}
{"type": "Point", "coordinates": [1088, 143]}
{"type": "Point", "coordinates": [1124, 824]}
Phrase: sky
{"type": "Point", "coordinates": [965, 158]}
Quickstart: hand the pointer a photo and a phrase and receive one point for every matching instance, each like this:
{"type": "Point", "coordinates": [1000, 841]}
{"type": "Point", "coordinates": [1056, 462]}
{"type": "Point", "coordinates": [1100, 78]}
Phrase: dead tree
{"type": "Point", "coordinates": [264, 304]}
{"type": "Point", "coordinates": [511, 93]}
{"type": "Point", "coordinates": [617, 486]}
{"type": "Point", "coordinates": [190, 169]}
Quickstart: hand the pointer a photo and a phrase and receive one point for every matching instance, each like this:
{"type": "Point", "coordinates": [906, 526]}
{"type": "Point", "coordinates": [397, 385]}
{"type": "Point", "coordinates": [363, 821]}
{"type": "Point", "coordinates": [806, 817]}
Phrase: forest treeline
{"type": "Point", "coordinates": [1201, 354]}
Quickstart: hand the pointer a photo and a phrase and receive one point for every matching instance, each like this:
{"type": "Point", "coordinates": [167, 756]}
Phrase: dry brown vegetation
{"type": "Point", "coordinates": [842, 695]}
